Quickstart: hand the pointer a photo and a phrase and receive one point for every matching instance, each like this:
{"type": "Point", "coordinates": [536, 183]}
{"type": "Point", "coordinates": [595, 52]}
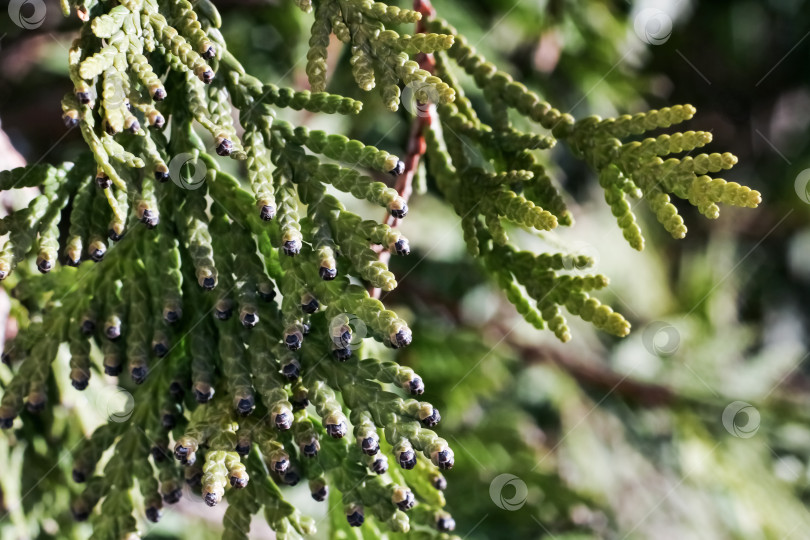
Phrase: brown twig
{"type": "Point", "coordinates": [599, 377]}
{"type": "Point", "coordinates": [416, 141]}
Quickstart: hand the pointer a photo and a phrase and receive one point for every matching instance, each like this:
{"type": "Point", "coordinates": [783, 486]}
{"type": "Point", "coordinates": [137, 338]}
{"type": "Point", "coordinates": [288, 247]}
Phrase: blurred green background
{"type": "Point", "coordinates": [695, 426]}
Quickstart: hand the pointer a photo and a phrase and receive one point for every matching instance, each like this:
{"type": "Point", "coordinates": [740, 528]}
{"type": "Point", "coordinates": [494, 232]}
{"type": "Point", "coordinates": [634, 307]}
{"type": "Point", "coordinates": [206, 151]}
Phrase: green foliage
{"type": "Point", "coordinates": [229, 396]}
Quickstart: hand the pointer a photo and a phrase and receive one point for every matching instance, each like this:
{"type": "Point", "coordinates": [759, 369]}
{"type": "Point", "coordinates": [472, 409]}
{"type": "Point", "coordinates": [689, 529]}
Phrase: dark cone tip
{"type": "Point", "coordinates": [209, 53]}
{"type": "Point", "coordinates": [249, 320]}
{"type": "Point", "coordinates": [433, 419]}
{"type": "Point", "coordinates": [158, 454]}
{"type": "Point", "coordinates": [161, 176]}
{"type": "Point", "coordinates": [321, 494]}
{"type": "Point", "coordinates": [114, 236]}
{"type": "Point", "coordinates": [245, 406]}
{"type": "Point", "coordinates": [103, 182]}
{"type": "Point", "coordinates": [168, 421]}
{"type": "Point", "coordinates": [237, 482]}
{"type": "Point", "coordinates": [88, 327]}
{"type": "Point", "coordinates": [291, 371]}
{"type": "Point", "coordinates": [173, 496]}
{"type": "Point", "coordinates": [79, 384]}
{"type": "Point", "coordinates": [112, 332]}
{"type": "Point", "coordinates": [134, 127]}
{"type": "Point", "coordinates": [268, 212]}
{"type": "Point", "coordinates": [407, 503]}
{"type": "Point", "coordinates": [355, 519]}
{"type": "Point", "coordinates": [44, 266]}
{"type": "Point", "coordinates": [159, 94]}
{"type": "Point", "coordinates": [176, 390]}
{"type": "Point", "coordinates": [398, 169]}
{"type": "Point", "coordinates": [370, 446]}
{"type": "Point", "coordinates": [98, 255]}
{"type": "Point", "coordinates": [310, 307]}
{"type": "Point", "coordinates": [160, 349]}
{"type": "Point", "coordinates": [400, 213]}
{"type": "Point", "coordinates": [209, 283]}
{"type": "Point", "coordinates": [298, 405]}
{"type": "Point", "coordinates": [203, 397]}
{"type": "Point", "coordinates": [223, 314]}
{"type": "Point", "coordinates": [78, 476]}
{"type": "Point", "coordinates": [159, 121]}
{"type": "Point", "coordinates": [341, 355]}
{"type": "Point", "coordinates": [403, 338]}
{"type": "Point", "coordinates": [242, 449]}
{"type": "Point", "coordinates": [6, 422]}
{"type": "Point", "coordinates": [445, 459]}
{"type": "Point", "coordinates": [281, 465]}
{"type": "Point", "coordinates": [72, 262]}
{"type": "Point", "coordinates": [407, 460]}
{"type": "Point", "coordinates": [416, 386]}
{"type": "Point", "coordinates": [71, 121]}
{"type": "Point", "coordinates": [112, 371]}
{"type": "Point", "coordinates": [327, 274]}
{"type": "Point", "coordinates": [283, 421]}
{"type": "Point", "coordinates": [380, 466]}
{"type": "Point", "coordinates": [311, 450]}
{"type": "Point", "coordinates": [210, 499]}
{"type": "Point", "coordinates": [292, 342]}
{"type": "Point", "coordinates": [171, 317]}
{"type": "Point", "coordinates": [440, 483]}
{"type": "Point", "coordinates": [336, 431]}
{"type": "Point", "coordinates": [225, 147]}
{"type": "Point", "coordinates": [79, 515]}
{"type": "Point", "coordinates": [445, 524]}
{"type": "Point", "coordinates": [402, 247]}
{"type": "Point", "coordinates": [83, 97]}
{"type": "Point", "coordinates": [292, 247]}
{"type": "Point", "coordinates": [307, 328]}
{"type": "Point", "coordinates": [267, 296]}
{"type": "Point", "coordinates": [208, 76]}
{"type": "Point", "coordinates": [138, 374]}
{"type": "Point", "coordinates": [153, 514]}
{"type": "Point", "coordinates": [291, 478]}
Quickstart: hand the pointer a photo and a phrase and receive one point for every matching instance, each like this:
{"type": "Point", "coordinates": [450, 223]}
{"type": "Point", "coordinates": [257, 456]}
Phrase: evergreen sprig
{"type": "Point", "coordinates": [223, 368]}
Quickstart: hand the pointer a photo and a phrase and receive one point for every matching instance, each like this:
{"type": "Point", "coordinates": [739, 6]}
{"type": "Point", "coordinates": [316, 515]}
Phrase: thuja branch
{"type": "Point", "coordinates": [219, 299]}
